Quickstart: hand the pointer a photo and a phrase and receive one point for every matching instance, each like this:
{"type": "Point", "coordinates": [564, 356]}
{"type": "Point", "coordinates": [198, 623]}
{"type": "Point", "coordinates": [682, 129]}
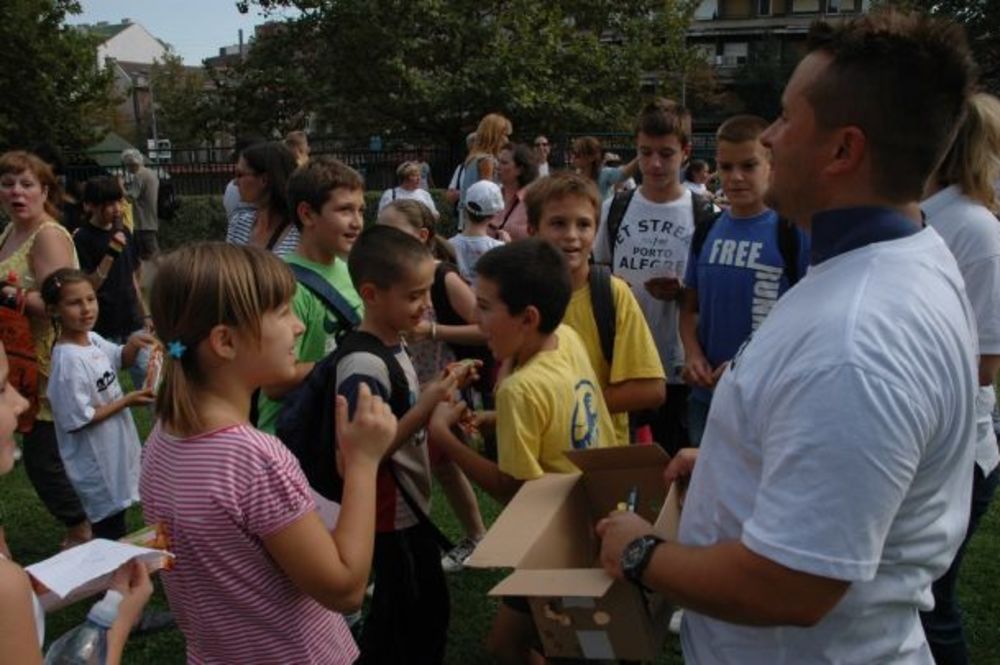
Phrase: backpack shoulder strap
{"type": "Point", "coordinates": [603, 302]}
{"type": "Point", "coordinates": [704, 220]}
{"type": "Point", "coordinates": [360, 341]}
{"type": "Point", "coordinates": [788, 245]}
{"type": "Point", "coordinates": [336, 303]}
{"type": "Point", "coordinates": [616, 213]}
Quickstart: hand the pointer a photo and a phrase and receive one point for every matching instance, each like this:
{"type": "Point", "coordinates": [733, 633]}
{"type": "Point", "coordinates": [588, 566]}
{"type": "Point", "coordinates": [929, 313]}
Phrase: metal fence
{"type": "Point", "coordinates": [207, 170]}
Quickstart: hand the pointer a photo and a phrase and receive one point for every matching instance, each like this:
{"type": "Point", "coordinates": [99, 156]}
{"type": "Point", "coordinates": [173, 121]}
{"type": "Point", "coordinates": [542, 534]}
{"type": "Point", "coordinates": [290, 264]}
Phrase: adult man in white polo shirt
{"type": "Point", "coordinates": [832, 483]}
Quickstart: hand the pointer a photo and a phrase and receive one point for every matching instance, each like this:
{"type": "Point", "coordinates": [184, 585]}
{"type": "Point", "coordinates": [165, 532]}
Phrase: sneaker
{"type": "Point", "coordinates": [454, 561]}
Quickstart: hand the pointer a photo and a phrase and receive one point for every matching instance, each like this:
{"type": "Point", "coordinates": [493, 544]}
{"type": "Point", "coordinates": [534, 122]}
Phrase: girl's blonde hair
{"type": "Point", "coordinates": [491, 135]}
{"type": "Point", "coordinates": [198, 287]}
{"type": "Point", "coordinates": [419, 216]}
{"type": "Point", "coordinates": [973, 161]}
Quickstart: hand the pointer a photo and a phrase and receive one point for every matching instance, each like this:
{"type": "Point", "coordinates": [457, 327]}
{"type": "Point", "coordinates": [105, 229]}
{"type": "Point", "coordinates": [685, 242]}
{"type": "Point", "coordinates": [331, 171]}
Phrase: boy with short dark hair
{"type": "Point", "coordinates": [645, 236]}
{"type": "Point", "coordinates": [548, 402]}
{"type": "Point", "coordinates": [108, 252]}
{"type": "Point", "coordinates": [408, 619]}
{"type": "Point", "coordinates": [565, 209]}
{"type": "Point", "coordinates": [740, 264]}
{"type": "Point", "coordinates": [326, 201]}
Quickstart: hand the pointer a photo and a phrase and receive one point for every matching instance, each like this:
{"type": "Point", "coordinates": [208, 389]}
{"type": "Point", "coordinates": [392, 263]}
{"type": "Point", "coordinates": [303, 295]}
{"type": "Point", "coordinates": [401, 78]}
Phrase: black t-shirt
{"type": "Point", "coordinates": [120, 314]}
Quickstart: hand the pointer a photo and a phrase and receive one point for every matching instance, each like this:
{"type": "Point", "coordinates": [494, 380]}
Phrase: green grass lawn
{"type": "Point", "coordinates": [34, 535]}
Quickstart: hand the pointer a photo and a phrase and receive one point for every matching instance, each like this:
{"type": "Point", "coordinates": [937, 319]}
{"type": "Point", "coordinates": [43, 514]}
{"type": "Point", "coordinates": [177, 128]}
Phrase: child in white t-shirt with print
{"type": "Point", "coordinates": [97, 438]}
{"type": "Point", "coordinates": [483, 201]}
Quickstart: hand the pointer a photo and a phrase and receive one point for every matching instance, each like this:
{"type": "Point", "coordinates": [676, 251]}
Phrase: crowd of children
{"type": "Point", "coordinates": [478, 361]}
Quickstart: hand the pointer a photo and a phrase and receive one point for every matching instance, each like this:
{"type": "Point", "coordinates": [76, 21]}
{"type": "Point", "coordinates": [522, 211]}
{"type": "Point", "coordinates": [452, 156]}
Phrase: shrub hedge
{"type": "Point", "coordinates": [203, 218]}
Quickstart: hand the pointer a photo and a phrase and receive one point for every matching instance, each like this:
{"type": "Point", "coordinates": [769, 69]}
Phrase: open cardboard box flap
{"type": "Point", "coordinates": [579, 582]}
{"type": "Point", "coordinates": [617, 458]}
{"type": "Point", "coordinates": [530, 514]}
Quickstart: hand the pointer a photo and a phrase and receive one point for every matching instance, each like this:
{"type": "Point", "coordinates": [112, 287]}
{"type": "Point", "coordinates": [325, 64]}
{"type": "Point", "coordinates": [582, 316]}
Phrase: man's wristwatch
{"type": "Point", "coordinates": [636, 555]}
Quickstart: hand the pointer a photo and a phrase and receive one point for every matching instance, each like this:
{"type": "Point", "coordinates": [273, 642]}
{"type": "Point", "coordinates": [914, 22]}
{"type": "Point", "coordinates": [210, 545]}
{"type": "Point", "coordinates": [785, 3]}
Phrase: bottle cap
{"type": "Point", "coordinates": [105, 611]}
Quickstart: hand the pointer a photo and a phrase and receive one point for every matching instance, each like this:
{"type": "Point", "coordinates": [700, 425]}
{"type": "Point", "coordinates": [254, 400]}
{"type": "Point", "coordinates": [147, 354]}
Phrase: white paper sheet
{"type": "Point", "coordinates": [87, 568]}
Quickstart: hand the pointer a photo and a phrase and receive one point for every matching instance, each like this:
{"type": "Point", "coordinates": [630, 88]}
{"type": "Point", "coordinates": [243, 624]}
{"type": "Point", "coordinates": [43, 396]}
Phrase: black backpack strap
{"type": "Point", "coordinates": [616, 213]}
{"type": "Point", "coordinates": [788, 245]}
{"type": "Point", "coordinates": [336, 303]}
{"type": "Point", "coordinates": [603, 302]}
{"type": "Point", "coordinates": [704, 219]}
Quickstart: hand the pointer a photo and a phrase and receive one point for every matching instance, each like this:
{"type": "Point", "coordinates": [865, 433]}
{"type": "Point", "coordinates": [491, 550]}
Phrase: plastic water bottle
{"type": "Point", "coordinates": [87, 644]}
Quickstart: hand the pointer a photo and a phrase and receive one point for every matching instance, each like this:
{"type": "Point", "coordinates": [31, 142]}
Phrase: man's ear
{"type": "Point", "coordinates": [850, 148]}
{"type": "Point", "coordinates": [222, 342]}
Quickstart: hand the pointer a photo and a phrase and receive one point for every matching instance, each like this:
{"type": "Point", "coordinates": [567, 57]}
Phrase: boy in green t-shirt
{"type": "Point", "coordinates": [328, 199]}
{"type": "Point", "coordinates": [565, 209]}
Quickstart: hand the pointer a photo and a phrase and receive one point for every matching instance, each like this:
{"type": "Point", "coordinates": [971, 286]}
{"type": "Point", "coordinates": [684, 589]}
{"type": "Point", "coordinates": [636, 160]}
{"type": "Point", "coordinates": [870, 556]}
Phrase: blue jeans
{"type": "Point", "coordinates": [943, 624]}
{"type": "Point", "coordinates": [697, 418]}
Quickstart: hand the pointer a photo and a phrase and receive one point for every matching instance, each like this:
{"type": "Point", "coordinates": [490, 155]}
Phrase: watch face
{"type": "Point", "coordinates": [633, 555]}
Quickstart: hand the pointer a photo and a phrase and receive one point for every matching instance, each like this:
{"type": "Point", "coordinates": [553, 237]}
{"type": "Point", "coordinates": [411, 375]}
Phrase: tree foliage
{"type": "Point", "coordinates": [52, 89]}
{"type": "Point", "coordinates": [981, 19]}
{"type": "Point", "coordinates": [434, 67]}
{"type": "Point", "coordinates": [183, 109]}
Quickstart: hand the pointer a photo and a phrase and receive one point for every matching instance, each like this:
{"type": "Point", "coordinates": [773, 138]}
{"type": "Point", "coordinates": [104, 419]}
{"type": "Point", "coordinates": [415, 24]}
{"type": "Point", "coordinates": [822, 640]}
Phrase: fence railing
{"type": "Point", "coordinates": [207, 170]}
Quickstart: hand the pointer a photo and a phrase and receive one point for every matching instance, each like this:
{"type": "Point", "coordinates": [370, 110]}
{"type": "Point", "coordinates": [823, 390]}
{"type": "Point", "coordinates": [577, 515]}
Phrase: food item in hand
{"type": "Point", "coordinates": [154, 372]}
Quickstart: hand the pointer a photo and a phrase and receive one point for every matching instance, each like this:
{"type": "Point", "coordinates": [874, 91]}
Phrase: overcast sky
{"type": "Point", "coordinates": [195, 28]}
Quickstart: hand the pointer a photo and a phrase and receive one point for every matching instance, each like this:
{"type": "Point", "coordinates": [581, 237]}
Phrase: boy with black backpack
{"type": "Point", "coordinates": [564, 209]}
{"type": "Point", "coordinates": [327, 199]}
{"type": "Point", "coordinates": [408, 618]}
{"type": "Point", "coordinates": [645, 236]}
{"type": "Point", "coordinates": [740, 264]}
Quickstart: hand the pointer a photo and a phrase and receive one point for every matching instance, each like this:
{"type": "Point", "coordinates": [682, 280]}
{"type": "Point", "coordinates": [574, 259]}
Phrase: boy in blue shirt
{"type": "Point", "coordinates": [740, 264]}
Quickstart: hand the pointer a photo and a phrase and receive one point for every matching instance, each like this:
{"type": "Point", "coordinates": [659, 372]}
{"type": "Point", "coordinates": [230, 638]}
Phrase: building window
{"type": "Point", "coordinates": [734, 54]}
{"type": "Point", "coordinates": [805, 6]}
{"type": "Point", "coordinates": [763, 7]}
{"type": "Point", "coordinates": [832, 6]}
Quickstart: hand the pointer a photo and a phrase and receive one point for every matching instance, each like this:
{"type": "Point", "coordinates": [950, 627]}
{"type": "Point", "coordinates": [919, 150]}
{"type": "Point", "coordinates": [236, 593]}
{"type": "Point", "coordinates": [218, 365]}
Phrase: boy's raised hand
{"type": "Point", "coordinates": [439, 390]}
{"type": "Point", "coordinates": [447, 414]}
{"type": "Point", "coordinates": [465, 371]}
{"type": "Point", "coordinates": [368, 435]}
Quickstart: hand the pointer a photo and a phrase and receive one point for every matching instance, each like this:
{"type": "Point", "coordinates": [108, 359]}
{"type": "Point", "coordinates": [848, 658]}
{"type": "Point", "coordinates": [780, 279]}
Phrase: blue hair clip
{"type": "Point", "coordinates": [176, 349]}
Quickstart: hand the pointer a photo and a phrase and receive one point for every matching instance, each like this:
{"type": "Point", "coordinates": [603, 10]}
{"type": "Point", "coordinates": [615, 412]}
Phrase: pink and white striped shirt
{"type": "Point", "coordinates": [218, 495]}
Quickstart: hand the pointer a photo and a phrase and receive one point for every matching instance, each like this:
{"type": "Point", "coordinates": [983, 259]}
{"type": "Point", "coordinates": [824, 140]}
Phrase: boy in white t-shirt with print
{"type": "Point", "coordinates": [648, 247]}
{"type": "Point", "coordinates": [483, 201]}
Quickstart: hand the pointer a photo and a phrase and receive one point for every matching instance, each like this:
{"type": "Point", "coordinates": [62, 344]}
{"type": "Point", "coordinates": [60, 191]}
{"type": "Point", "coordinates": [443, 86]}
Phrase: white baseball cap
{"type": "Point", "coordinates": [484, 199]}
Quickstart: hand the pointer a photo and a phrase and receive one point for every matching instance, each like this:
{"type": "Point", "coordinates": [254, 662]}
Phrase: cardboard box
{"type": "Point", "coordinates": [546, 533]}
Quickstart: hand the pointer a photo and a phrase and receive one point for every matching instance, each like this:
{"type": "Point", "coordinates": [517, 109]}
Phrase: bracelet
{"type": "Point", "coordinates": [434, 330]}
{"type": "Point", "coordinates": [113, 251]}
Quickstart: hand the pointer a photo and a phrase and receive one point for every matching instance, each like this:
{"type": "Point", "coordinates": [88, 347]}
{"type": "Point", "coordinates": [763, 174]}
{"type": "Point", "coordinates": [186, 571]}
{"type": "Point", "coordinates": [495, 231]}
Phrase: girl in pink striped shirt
{"type": "Point", "coordinates": [257, 578]}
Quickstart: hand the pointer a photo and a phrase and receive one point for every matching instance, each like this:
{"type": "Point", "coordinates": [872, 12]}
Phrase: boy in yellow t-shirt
{"type": "Point", "coordinates": [549, 402]}
{"type": "Point", "coordinates": [564, 209]}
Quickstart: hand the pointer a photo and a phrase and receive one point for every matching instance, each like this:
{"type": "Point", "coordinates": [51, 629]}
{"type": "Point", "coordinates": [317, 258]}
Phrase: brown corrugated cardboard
{"type": "Point", "coordinates": [546, 533]}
